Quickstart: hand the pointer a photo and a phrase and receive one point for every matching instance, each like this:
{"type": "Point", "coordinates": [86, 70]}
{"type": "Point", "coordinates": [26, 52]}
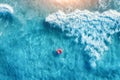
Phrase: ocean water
{"type": "Point", "coordinates": [88, 32]}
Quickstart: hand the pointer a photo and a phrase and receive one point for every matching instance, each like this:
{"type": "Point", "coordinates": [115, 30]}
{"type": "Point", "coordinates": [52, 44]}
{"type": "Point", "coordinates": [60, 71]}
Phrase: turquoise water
{"type": "Point", "coordinates": [30, 36]}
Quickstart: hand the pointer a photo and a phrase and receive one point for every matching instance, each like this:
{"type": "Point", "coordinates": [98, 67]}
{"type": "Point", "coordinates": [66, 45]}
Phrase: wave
{"type": "Point", "coordinates": [6, 12]}
{"type": "Point", "coordinates": [92, 30]}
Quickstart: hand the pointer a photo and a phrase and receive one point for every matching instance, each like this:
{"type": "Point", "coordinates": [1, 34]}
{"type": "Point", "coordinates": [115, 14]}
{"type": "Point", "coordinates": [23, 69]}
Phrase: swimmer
{"type": "Point", "coordinates": [59, 51]}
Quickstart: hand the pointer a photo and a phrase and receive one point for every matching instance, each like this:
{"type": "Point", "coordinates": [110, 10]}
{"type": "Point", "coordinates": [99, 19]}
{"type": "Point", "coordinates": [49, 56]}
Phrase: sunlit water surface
{"type": "Point", "coordinates": [29, 39]}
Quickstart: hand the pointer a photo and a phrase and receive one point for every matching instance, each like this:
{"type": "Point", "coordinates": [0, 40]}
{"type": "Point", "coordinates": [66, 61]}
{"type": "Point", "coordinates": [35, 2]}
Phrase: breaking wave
{"type": "Point", "coordinates": [6, 12]}
{"type": "Point", "coordinates": [92, 30]}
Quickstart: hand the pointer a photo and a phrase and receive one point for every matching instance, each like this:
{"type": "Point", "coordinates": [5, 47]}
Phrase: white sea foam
{"type": "Point", "coordinates": [106, 4]}
{"type": "Point", "coordinates": [93, 30]}
{"type": "Point", "coordinates": [6, 8]}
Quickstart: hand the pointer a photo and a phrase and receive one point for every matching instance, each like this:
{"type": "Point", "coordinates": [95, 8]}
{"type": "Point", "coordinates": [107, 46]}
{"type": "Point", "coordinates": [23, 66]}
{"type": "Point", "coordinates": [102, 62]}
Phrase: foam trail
{"type": "Point", "coordinates": [94, 30]}
{"type": "Point", "coordinates": [6, 8]}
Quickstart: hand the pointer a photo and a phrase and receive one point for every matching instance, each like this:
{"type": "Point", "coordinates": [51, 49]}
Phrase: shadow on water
{"type": "Point", "coordinates": [117, 37]}
{"type": "Point", "coordinates": [86, 58]}
{"type": "Point", "coordinates": [56, 31]}
{"type": "Point", "coordinates": [6, 17]}
{"type": "Point", "coordinates": [49, 28]}
{"type": "Point", "coordinates": [55, 54]}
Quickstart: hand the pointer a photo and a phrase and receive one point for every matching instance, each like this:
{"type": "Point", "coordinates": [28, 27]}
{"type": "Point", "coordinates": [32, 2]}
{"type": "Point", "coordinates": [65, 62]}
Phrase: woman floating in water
{"type": "Point", "coordinates": [59, 51]}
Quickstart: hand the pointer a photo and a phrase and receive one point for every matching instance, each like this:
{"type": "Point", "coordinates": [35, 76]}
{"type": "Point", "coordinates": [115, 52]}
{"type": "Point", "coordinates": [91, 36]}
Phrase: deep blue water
{"type": "Point", "coordinates": [31, 34]}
